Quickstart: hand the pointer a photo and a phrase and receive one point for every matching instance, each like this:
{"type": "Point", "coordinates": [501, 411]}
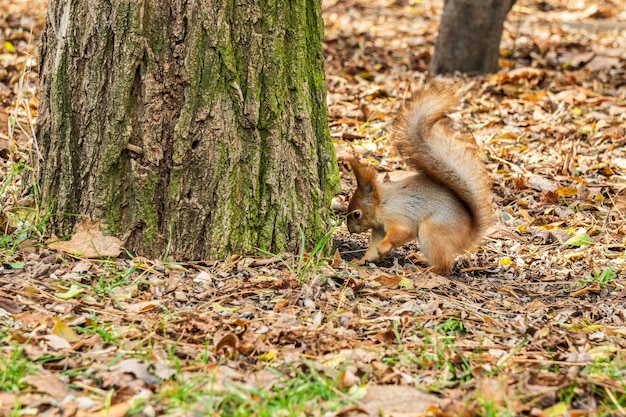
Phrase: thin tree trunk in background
{"type": "Point", "coordinates": [199, 124]}
{"type": "Point", "coordinates": [469, 36]}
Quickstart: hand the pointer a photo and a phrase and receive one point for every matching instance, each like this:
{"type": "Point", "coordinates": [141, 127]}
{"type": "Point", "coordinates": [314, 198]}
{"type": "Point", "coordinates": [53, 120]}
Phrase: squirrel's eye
{"type": "Point", "coordinates": [356, 214]}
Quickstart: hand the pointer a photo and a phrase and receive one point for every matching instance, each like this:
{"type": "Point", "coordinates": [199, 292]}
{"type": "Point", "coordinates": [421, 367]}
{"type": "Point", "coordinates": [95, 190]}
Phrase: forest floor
{"type": "Point", "coordinates": [531, 323]}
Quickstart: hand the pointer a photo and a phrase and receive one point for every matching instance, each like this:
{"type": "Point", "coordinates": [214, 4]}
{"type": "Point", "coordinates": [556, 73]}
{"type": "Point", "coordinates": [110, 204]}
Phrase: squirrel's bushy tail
{"type": "Point", "coordinates": [429, 146]}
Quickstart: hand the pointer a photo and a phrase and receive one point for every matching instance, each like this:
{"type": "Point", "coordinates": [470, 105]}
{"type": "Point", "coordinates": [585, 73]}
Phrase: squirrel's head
{"type": "Point", "coordinates": [365, 200]}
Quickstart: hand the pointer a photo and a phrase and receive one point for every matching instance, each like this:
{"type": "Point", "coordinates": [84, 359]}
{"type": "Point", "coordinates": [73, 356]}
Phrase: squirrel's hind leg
{"type": "Point", "coordinates": [397, 235]}
{"type": "Point", "coordinates": [438, 243]}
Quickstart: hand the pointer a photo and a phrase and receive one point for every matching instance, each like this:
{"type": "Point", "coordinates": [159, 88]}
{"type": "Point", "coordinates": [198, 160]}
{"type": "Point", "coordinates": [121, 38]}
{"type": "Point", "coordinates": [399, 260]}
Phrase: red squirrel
{"type": "Point", "coordinates": [446, 205]}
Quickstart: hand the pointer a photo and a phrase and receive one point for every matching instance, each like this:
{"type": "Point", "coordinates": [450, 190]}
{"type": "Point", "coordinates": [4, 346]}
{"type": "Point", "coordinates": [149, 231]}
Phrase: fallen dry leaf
{"type": "Point", "coordinates": [117, 410]}
{"type": "Point", "coordinates": [399, 401]}
{"type": "Point", "coordinates": [138, 367]}
{"type": "Point", "coordinates": [89, 242]}
{"type": "Point", "coordinates": [49, 384]}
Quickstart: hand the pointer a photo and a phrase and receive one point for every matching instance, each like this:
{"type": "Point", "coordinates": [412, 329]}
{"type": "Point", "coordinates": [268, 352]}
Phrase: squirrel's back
{"type": "Point", "coordinates": [426, 143]}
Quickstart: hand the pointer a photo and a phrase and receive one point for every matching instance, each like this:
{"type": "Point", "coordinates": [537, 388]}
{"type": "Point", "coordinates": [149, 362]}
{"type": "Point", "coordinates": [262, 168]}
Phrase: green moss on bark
{"type": "Point", "coordinates": [149, 214]}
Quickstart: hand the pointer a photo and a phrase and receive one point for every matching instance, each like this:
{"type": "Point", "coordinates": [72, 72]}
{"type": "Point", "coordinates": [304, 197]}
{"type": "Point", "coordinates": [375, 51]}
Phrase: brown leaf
{"type": "Point", "coordinates": [138, 367]}
{"type": "Point", "coordinates": [56, 342]}
{"type": "Point", "coordinates": [430, 281]}
{"type": "Point", "coordinates": [10, 305]}
{"type": "Point", "coordinates": [399, 401]}
{"type": "Point", "coordinates": [337, 259]}
{"type": "Point", "coordinates": [49, 384]}
{"type": "Point", "coordinates": [347, 379]}
{"type": "Point", "coordinates": [89, 242]}
{"type": "Point", "coordinates": [229, 340]}
{"type": "Point", "coordinates": [117, 410]}
{"type": "Point", "coordinates": [4, 144]}
{"type": "Point", "coordinates": [387, 281]}
{"type": "Point", "coordinates": [140, 307]}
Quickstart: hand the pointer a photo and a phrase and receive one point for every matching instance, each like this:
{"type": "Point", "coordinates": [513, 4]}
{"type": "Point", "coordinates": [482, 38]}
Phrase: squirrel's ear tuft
{"type": "Point", "coordinates": [365, 175]}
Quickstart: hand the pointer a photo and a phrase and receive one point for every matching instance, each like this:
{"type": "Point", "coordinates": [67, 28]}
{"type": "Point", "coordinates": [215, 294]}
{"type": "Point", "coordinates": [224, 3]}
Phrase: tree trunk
{"type": "Point", "coordinates": [197, 124]}
{"type": "Point", "coordinates": [469, 36]}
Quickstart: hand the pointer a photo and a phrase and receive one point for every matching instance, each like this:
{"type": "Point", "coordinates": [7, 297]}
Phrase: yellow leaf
{"type": "Point", "coordinates": [574, 255]}
{"type": "Point", "coordinates": [592, 328]}
{"type": "Point", "coordinates": [508, 135]}
{"type": "Point", "coordinates": [527, 217]}
{"type": "Point", "coordinates": [602, 352]}
{"type": "Point", "coordinates": [566, 192]}
{"type": "Point", "coordinates": [9, 47]}
{"type": "Point", "coordinates": [607, 171]}
{"type": "Point", "coordinates": [505, 261]}
{"type": "Point", "coordinates": [588, 129]}
{"type": "Point", "coordinates": [220, 308]}
{"type": "Point", "coordinates": [558, 409]}
{"type": "Point", "coordinates": [61, 329]}
{"type": "Point", "coordinates": [269, 356]}
{"type": "Point", "coordinates": [581, 327]}
{"type": "Point", "coordinates": [406, 284]}
{"type": "Point", "coordinates": [551, 226]}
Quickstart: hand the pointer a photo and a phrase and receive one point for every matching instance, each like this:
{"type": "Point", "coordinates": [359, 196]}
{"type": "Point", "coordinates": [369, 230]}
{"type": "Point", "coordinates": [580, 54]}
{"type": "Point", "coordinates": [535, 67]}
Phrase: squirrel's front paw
{"type": "Point", "coordinates": [361, 261]}
{"type": "Point", "coordinates": [370, 256]}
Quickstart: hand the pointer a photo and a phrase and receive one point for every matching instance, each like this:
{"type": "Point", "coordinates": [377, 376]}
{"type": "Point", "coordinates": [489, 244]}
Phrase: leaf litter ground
{"type": "Point", "coordinates": [531, 323]}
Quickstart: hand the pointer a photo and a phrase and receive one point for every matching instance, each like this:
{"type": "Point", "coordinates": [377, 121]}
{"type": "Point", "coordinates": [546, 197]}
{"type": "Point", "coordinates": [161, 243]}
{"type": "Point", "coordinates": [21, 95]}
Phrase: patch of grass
{"type": "Point", "coordinates": [111, 280]}
{"type": "Point", "coordinates": [14, 366]}
{"type": "Point", "coordinates": [488, 407]}
{"type": "Point", "coordinates": [21, 218]}
{"type": "Point", "coordinates": [191, 393]}
{"type": "Point", "coordinates": [85, 373]}
{"type": "Point", "coordinates": [295, 392]}
{"type": "Point", "coordinates": [604, 380]}
{"type": "Point", "coordinates": [613, 403]}
{"type": "Point", "coordinates": [568, 394]}
{"type": "Point", "coordinates": [450, 327]}
{"type": "Point", "coordinates": [614, 369]}
{"type": "Point", "coordinates": [503, 362]}
{"type": "Point", "coordinates": [610, 402]}
{"type": "Point", "coordinates": [307, 262]}
{"type": "Point", "coordinates": [433, 350]}
{"type": "Point", "coordinates": [105, 330]}
{"type": "Point", "coordinates": [21, 222]}
{"type": "Point", "coordinates": [603, 277]}
{"type": "Point", "coordinates": [608, 377]}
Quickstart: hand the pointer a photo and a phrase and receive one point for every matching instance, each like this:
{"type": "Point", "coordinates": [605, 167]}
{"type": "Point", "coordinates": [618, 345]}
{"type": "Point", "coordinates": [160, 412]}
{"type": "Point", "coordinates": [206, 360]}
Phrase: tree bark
{"type": "Point", "coordinates": [469, 36]}
{"type": "Point", "coordinates": [198, 126]}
